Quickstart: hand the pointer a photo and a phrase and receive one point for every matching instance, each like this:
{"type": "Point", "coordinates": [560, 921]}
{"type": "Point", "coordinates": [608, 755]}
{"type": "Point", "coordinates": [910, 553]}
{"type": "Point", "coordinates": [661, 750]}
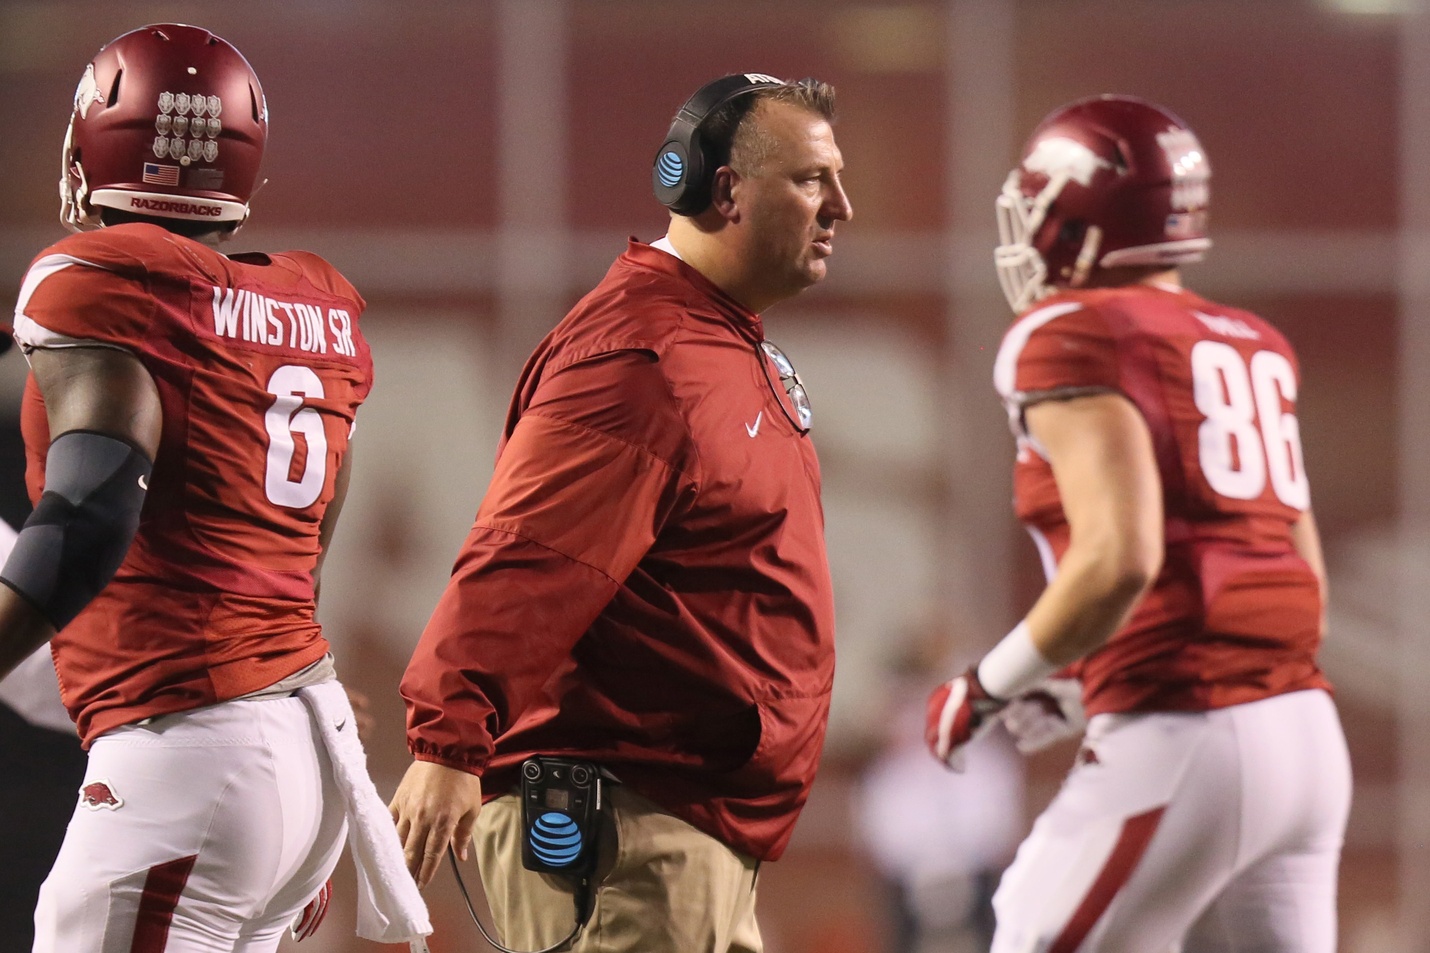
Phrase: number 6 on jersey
{"type": "Point", "coordinates": [287, 417]}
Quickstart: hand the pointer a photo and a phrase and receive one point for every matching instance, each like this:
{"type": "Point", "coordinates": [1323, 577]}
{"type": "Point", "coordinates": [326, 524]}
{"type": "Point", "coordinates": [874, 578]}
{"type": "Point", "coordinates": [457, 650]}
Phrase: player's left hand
{"type": "Point", "coordinates": [1047, 713]}
{"type": "Point", "coordinates": [958, 711]}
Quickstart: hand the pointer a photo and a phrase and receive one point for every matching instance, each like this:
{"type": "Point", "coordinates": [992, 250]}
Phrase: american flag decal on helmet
{"type": "Point", "coordinates": [158, 173]}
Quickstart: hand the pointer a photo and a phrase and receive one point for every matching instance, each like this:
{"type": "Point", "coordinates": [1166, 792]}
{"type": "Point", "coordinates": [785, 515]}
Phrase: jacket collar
{"type": "Point", "coordinates": [644, 256]}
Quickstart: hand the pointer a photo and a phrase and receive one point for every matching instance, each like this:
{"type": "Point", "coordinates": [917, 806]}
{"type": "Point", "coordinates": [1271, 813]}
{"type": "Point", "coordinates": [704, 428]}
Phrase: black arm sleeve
{"type": "Point", "coordinates": [76, 538]}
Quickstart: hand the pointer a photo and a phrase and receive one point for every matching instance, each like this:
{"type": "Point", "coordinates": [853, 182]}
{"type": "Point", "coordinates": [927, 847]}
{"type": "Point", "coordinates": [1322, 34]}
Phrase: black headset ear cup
{"type": "Point", "coordinates": [678, 175]}
{"type": "Point", "coordinates": [683, 168]}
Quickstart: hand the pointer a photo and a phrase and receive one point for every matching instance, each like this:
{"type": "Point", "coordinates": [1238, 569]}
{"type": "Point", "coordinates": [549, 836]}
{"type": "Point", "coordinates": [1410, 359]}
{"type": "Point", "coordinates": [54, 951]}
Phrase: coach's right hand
{"type": "Point", "coordinates": [434, 806]}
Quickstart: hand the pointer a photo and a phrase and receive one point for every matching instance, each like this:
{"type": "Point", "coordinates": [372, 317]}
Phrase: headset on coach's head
{"type": "Point", "coordinates": [685, 164]}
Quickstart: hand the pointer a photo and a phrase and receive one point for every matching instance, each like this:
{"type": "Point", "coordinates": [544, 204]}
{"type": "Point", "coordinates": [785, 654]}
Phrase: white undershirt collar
{"type": "Point", "coordinates": [664, 245]}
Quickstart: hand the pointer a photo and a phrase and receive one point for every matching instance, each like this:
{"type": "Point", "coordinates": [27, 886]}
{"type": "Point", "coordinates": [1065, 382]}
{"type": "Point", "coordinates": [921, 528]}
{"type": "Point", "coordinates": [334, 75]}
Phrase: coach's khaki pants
{"type": "Point", "coordinates": [661, 885]}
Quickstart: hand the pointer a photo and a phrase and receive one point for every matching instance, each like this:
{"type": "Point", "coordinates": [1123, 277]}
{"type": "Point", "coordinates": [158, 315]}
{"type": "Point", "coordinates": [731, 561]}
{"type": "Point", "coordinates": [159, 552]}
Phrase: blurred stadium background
{"type": "Point", "coordinates": [474, 166]}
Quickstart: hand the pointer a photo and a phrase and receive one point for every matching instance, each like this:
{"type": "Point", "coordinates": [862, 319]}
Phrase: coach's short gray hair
{"type": "Point", "coordinates": [744, 146]}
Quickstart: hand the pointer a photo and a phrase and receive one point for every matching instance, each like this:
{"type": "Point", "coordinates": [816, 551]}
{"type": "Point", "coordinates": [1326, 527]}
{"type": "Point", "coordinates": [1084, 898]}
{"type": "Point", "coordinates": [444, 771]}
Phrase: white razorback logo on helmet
{"type": "Point", "coordinates": [88, 93]}
{"type": "Point", "coordinates": [1190, 169]}
{"type": "Point", "coordinates": [1065, 156]}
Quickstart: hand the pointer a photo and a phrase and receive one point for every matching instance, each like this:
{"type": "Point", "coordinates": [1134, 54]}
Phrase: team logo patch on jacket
{"type": "Point", "coordinates": [99, 794]}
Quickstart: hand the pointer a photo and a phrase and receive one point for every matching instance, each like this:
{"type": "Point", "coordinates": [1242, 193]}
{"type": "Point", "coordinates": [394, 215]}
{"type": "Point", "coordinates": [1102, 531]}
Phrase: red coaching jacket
{"type": "Point", "coordinates": [646, 584]}
{"type": "Point", "coordinates": [1235, 614]}
{"type": "Point", "coordinates": [260, 369]}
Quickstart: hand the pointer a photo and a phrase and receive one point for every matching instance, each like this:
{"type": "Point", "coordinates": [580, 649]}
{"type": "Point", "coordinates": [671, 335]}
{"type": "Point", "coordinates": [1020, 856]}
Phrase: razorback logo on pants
{"type": "Point", "coordinates": [99, 794]}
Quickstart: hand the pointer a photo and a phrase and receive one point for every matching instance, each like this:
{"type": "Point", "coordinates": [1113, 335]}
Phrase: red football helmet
{"type": "Point", "coordinates": [1104, 182]}
{"type": "Point", "coordinates": [169, 121]}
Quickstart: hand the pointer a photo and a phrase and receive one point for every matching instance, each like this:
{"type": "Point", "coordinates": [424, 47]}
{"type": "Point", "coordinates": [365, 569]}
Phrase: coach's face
{"type": "Point", "coordinates": [788, 204]}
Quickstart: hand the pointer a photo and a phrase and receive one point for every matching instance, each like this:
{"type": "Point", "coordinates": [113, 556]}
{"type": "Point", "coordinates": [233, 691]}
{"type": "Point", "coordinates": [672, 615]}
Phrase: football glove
{"type": "Point", "coordinates": [1045, 714]}
{"type": "Point", "coordinates": [311, 918]}
{"type": "Point", "coordinates": [958, 711]}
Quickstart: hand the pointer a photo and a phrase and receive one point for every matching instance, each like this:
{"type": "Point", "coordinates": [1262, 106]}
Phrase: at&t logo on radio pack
{"type": "Point", "coordinates": [556, 840]}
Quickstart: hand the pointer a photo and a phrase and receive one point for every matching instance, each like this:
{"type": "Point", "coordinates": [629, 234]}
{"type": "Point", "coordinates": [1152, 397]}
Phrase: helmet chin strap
{"type": "Point", "coordinates": [1086, 257]}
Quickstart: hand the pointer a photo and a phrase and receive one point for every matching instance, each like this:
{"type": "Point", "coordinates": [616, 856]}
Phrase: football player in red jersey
{"type": "Point", "coordinates": [1159, 469]}
{"type": "Point", "coordinates": [186, 423]}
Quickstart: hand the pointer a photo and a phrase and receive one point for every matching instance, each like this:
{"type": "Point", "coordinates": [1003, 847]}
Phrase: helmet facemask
{"type": "Point", "coordinates": [75, 211]}
{"type": "Point", "coordinates": [1022, 271]}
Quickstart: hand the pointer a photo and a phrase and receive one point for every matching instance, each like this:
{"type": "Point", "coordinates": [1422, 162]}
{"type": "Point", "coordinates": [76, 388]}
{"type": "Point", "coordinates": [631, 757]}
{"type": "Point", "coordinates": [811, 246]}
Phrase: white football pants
{"type": "Point", "coordinates": [1219, 831]}
{"type": "Point", "coordinates": [202, 832]}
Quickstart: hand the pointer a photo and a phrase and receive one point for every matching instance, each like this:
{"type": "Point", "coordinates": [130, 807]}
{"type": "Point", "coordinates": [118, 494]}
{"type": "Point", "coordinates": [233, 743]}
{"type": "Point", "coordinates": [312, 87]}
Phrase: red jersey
{"type": "Point", "coordinates": [646, 584]}
{"type": "Point", "coordinates": [1234, 615]}
{"type": "Point", "coordinates": [260, 368]}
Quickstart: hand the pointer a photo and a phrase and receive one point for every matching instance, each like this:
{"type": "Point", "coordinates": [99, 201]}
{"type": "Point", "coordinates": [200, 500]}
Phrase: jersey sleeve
{"type": "Point", "coordinates": [84, 290]}
{"type": "Point", "coordinates": [1058, 350]}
